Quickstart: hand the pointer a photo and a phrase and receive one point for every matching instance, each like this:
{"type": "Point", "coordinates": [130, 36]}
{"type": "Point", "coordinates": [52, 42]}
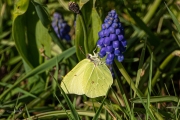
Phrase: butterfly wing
{"type": "Point", "coordinates": [97, 80]}
{"type": "Point", "coordinates": [72, 82]}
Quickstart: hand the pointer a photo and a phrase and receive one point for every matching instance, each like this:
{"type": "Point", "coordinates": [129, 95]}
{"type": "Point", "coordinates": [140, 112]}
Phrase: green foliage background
{"type": "Point", "coordinates": [34, 60]}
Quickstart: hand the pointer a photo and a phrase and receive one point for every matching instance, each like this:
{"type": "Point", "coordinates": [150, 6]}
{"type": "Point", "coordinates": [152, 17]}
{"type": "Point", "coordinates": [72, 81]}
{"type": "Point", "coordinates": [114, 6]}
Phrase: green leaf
{"type": "Point", "coordinates": [18, 31]}
{"type": "Point", "coordinates": [93, 31]}
{"type": "Point", "coordinates": [38, 37]}
{"type": "Point", "coordinates": [43, 14]}
{"type": "Point", "coordinates": [79, 38]}
{"type": "Point", "coordinates": [30, 36]}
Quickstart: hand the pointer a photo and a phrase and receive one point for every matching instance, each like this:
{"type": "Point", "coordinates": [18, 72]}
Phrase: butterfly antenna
{"type": "Point", "coordinates": [80, 47]}
{"type": "Point", "coordinates": [94, 50]}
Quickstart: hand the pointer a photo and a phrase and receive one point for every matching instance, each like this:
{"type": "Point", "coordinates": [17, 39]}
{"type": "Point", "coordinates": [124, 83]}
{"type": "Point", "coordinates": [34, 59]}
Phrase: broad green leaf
{"type": "Point", "coordinates": [37, 37]}
{"type": "Point", "coordinates": [43, 14]}
{"type": "Point", "coordinates": [86, 24]}
{"type": "Point", "coordinates": [44, 17]}
{"type": "Point", "coordinates": [18, 31]}
{"type": "Point", "coordinates": [30, 37]}
{"type": "Point", "coordinates": [93, 32]}
{"type": "Point", "coordinates": [79, 39]}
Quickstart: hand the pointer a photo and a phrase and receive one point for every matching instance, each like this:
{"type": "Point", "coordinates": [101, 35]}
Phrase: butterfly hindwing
{"type": "Point", "coordinates": [97, 80]}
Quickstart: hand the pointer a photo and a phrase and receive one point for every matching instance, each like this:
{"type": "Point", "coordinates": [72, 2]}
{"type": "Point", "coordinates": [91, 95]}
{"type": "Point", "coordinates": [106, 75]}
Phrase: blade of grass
{"type": "Point", "coordinates": [62, 115]}
{"type": "Point", "coordinates": [41, 68]}
{"type": "Point", "coordinates": [63, 107]}
{"type": "Point", "coordinates": [96, 116]}
{"type": "Point", "coordinates": [16, 90]}
{"type": "Point", "coordinates": [27, 112]}
{"type": "Point", "coordinates": [138, 77]}
{"type": "Point", "coordinates": [176, 39]}
{"type": "Point", "coordinates": [11, 73]}
{"type": "Point", "coordinates": [149, 85]}
{"type": "Point", "coordinates": [36, 101]}
{"type": "Point", "coordinates": [70, 105]}
{"type": "Point", "coordinates": [156, 99]}
{"type": "Point", "coordinates": [123, 94]}
{"type": "Point", "coordinates": [176, 22]}
{"type": "Point", "coordinates": [139, 93]}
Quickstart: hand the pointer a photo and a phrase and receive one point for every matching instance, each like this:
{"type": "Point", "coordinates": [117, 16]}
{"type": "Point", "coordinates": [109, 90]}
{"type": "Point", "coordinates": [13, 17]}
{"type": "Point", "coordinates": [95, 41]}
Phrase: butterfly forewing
{"type": "Point", "coordinates": [97, 80]}
{"type": "Point", "coordinates": [72, 82]}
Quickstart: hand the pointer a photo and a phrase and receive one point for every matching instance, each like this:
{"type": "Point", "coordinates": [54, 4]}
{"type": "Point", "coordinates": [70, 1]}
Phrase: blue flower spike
{"type": "Point", "coordinates": [111, 39]}
{"type": "Point", "coordinates": [61, 27]}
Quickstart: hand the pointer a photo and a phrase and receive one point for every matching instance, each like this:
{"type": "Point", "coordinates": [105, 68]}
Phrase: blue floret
{"type": "Point", "coordinates": [61, 27]}
{"type": "Point", "coordinates": [111, 39]}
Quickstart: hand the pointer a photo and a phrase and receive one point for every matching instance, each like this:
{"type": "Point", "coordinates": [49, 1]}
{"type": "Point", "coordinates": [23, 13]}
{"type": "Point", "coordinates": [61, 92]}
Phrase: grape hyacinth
{"type": "Point", "coordinates": [61, 27]}
{"type": "Point", "coordinates": [111, 39]}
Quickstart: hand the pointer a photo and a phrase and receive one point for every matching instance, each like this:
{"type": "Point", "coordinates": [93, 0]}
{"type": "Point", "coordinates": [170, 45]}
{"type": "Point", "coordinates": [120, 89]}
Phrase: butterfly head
{"type": "Point", "coordinates": [94, 58]}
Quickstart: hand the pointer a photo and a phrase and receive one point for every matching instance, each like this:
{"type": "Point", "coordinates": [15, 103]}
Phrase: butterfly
{"type": "Point", "coordinates": [90, 76]}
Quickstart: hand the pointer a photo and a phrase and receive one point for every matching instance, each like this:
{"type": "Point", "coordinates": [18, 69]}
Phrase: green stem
{"type": "Point", "coordinates": [162, 66]}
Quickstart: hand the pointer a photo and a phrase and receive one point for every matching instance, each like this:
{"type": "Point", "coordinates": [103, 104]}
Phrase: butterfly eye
{"type": "Point", "coordinates": [74, 7]}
